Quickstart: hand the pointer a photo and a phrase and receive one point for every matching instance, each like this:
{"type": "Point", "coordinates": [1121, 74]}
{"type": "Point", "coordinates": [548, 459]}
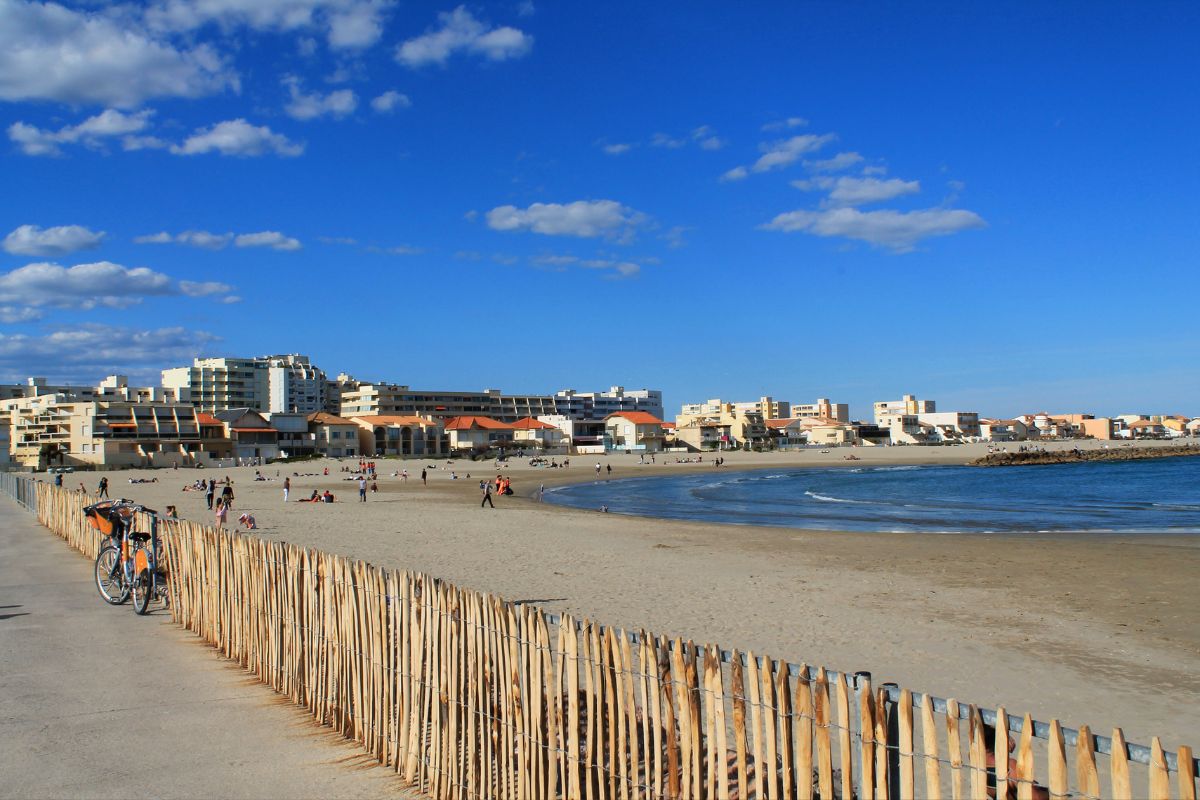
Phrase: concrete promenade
{"type": "Point", "coordinates": [98, 702]}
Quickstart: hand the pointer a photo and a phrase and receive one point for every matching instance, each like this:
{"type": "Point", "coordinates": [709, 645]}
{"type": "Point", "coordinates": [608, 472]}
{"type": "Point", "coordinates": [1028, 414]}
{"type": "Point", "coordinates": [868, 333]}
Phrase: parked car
{"type": "Point", "coordinates": [64, 470]}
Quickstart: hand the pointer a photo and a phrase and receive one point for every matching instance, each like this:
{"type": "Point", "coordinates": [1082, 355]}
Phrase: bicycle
{"type": "Point", "coordinates": [128, 562]}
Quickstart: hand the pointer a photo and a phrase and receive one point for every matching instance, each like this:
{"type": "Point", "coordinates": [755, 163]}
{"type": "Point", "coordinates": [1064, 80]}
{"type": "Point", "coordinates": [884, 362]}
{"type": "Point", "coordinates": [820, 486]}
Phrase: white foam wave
{"type": "Point", "coordinates": [827, 499]}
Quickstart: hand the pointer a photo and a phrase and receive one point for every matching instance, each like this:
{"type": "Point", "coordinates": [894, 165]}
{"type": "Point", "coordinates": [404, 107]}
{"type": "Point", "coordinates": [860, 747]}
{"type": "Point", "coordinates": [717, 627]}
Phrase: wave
{"type": "Point", "coordinates": [827, 499]}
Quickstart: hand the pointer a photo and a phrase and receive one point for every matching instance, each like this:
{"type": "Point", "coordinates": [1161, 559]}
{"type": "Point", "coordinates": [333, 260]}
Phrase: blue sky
{"type": "Point", "coordinates": [993, 207]}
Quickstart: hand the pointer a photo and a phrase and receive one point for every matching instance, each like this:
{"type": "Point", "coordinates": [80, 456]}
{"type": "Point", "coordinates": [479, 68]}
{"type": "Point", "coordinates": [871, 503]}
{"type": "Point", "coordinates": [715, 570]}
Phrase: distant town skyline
{"type": "Point", "coordinates": [993, 208]}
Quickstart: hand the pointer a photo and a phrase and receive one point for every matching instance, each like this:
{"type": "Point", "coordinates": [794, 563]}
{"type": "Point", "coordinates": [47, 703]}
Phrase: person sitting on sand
{"type": "Point", "coordinates": [327, 497]}
{"type": "Point", "coordinates": [248, 521]}
{"type": "Point", "coordinates": [989, 742]}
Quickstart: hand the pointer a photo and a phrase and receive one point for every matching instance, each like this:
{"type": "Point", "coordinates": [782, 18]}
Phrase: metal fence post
{"type": "Point", "coordinates": [891, 695]}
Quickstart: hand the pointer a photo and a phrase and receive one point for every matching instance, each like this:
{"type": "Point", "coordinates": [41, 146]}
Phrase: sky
{"type": "Point", "coordinates": [993, 206]}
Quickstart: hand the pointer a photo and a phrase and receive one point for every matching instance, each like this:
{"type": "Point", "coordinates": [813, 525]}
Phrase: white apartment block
{"type": "Point", "coordinates": [219, 384]}
{"type": "Point", "coordinates": [295, 386]}
{"type": "Point", "coordinates": [114, 387]}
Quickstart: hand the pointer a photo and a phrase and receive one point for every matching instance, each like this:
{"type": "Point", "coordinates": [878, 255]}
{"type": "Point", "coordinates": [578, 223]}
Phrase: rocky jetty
{"type": "Point", "coordinates": [1115, 453]}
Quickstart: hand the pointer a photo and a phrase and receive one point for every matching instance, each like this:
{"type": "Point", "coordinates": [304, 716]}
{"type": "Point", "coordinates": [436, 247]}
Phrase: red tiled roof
{"type": "Point", "coordinates": [467, 423]}
{"type": "Point", "coordinates": [207, 419]}
{"type": "Point", "coordinates": [637, 417]}
{"type": "Point", "coordinates": [325, 418]}
{"type": "Point", "coordinates": [531, 424]}
{"type": "Point", "coordinates": [669, 425]}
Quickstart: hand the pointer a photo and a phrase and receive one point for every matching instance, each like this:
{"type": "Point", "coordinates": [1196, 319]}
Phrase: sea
{"type": "Point", "coordinates": [1148, 496]}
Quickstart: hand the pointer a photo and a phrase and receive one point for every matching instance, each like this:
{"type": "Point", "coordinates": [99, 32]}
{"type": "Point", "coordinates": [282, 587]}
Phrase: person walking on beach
{"type": "Point", "coordinates": [541, 492]}
{"type": "Point", "coordinates": [227, 495]}
{"type": "Point", "coordinates": [287, 487]}
{"type": "Point", "coordinates": [487, 496]}
{"type": "Point", "coordinates": [424, 477]}
{"type": "Point", "coordinates": [609, 468]}
{"type": "Point", "coordinates": [222, 511]}
{"type": "Point", "coordinates": [210, 490]}
{"type": "Point", "coordinates": [362, 488]}
{"type": "Point", "coordinates": [597, 467]}
{"type": "Point", "coordinates": [103, 490]}
{"type": "Point", "coordinates": [404, 475]}
{"type": "Point", "coordinates": [58, 480]}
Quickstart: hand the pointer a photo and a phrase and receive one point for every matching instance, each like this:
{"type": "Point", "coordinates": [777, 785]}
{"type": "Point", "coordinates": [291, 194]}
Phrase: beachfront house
{"type": "Point", "coordinates": [253, 437]}
{"type": "Point", "coordinates": [703, 434]}
{"type": "Point", "coordinates": [478, 433]}
{"type": "Point", "coordinates": [1147, 429]}
{"type": "Point", "coordinates": [1193, 427]}
{"type": "Point", "coordinates": [1003, 430]}
{"type": "Point", "coordinates": [535, 433]}
{"type": "Point", "coordinates": [634, 430]}
{"type": "Point", "coordinates": [399, 435]}
{"type": "Point", "coordinates": [333, 436]}
{"type": "Point", "coordinates": [294, 437]}
{"type": "Point", "coordinates": [579, 435]}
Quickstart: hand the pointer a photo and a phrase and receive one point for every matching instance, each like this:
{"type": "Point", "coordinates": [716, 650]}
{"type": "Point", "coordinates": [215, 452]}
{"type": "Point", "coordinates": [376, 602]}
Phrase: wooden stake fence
{"type": "Point", "coordinates": [467, 696]}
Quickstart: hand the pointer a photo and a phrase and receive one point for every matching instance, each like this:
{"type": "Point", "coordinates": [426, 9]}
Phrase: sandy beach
{"type": "Point", "coordinates": [1096, 629]}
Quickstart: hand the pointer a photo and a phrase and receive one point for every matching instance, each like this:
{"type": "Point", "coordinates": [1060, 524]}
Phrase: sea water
{"type": "Point", "coordinates": [1149, 496]}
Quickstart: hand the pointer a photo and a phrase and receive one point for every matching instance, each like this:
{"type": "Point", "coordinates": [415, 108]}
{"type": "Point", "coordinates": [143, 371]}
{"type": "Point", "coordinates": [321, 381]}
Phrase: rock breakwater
{"type": "Point", "coordinates": [1013, 459]}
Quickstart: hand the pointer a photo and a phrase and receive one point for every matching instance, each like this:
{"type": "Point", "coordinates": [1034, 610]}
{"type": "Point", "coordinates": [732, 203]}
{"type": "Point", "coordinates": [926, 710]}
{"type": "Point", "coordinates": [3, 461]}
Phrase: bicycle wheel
{"type": "Point", "coordinates": [143, 591]}
{"type": "Point", "coordinates": [110, 578]}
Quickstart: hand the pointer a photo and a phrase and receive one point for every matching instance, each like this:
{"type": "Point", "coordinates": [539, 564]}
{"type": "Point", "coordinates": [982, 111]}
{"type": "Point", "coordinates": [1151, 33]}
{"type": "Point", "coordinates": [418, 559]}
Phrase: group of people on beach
{"type": "Point", "coordinates": [502, 485]}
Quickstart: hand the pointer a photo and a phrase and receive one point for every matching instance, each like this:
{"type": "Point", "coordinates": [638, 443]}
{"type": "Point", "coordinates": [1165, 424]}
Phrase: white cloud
{"type": "Point", "coordinates": [348, 24]}
{"type": "Point", "coordinates": [82, 352]}
{"type": "Point", "coordinates": [91, 132]}
{"type": "Point", "coordinates": [836, 164]}
{"type": "Point", "coordinates": [82, 57]}
{"type": "Point", "coordinates": [357, 26]}
{"type": "Point", "coordinates": [785, 124]}
{"type": "Point", "coordinates": [785, 152]}
{"type": "Point", "coordinates": [13, 315]}
{"type": "Point", "coordinates": [554, 260]}
{"type": "Point", "coordinates": [702, 136]}
{"type": "Point", "coordinates": [583, 218]}
{"type": "Point", "coordinates": [219, 241]}
{"type": "Point", "coordinates": [390, 101]}
{"type": "Point", "coordinates": [848, 191]}
{"type": "Point", "coordinates": [204, 288]}
{"type": "Point", "coordinates": [310, 106]}
{"type": "Point", "coordinates": [735, 174]}
{"type": "Point", "coordinates": [31, 240]}
{"type": "Point", "coordinates": [620, 269]}
{"type": "Point", "coordinates": [272, 239]}
{"type": "Point", "coordinates": [460, 32]}
{"type": "Point", "coordinates": [237, 138]}
{"type": "Point", "coordinates": [712, 143]}
{"type": "Point", "coordinates": [669, 142]}
{"type": "Point", "coordinates": [898, 230]}
{"type": "Point", "coordinates": [82, 286]}
{"type": "Point", "coordinates": [616, 149]}
{"type": "Point", "coordinates": [131, 143]}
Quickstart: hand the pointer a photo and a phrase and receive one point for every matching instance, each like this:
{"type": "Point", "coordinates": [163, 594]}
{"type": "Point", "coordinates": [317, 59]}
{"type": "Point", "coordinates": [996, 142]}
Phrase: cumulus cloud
{"type": "Point", "coordinates": [82, 286]}
{"type": "Point", "coordinates": [237, 138]}
{"type": "Point", "coordinates": [848, 191]}
{"type": "Point", "coordinates": [81, 352]}
{"type": "Point", "coordinates": [461, 32]}
{"type": "Point", "coordinates": [92, 132]}
{"type": "Point", "coordinates": [835, 164]}
{"type": "Point", "coordinates": [899, 231]}
{"type": "Point", "coordinates": [582, 218]}
{"type": "Point", "coordinates": [12, 315]}
{"type": "Point", "coordinates": [735, 174]}
{"type": "Point", "coordinates": [310, 106]}
{"type": "Point", "coordinates": [616, 149]}
{"type": "Point", "coordinates": [85, 57]}
{"type": "Point", "coordinates": [31, 240]}
{"type": "Point", "coordinates": [272, 239]}
{"type": "Point", "coordinates": [356, 26]}
{"type": "Point", "coordinates": [615, 268]}
{"type": "Point", "coordinates": [390, 101]}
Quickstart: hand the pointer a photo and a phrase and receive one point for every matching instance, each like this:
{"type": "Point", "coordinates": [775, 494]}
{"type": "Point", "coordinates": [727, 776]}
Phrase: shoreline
{"type": "Point", "coordinates": [1097, 629]}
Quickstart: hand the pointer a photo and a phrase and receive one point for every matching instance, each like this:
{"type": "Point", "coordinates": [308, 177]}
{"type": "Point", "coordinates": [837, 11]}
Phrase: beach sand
{"type": "Point", "coordinates": [1096, 629]}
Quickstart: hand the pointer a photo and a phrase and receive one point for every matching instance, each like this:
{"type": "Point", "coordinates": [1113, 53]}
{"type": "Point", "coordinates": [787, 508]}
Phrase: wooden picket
{"type": "Point", "coordinates": [464, 695]}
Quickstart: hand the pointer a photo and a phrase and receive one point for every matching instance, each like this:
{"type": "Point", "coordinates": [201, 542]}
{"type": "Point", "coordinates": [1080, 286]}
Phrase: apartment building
{"type": "Point", "coordinates": [634, 430]}
{"type": "Point", "coordinates": [113, 387]}
{"type": "Point", "coordinates": [216, 385]}
{"type": "Point", "coordinates": [908, 405]}
{"type": "Point", "coordinates": [746, 427]}
{"type": "Point", "coordinates": [822, 409]}
{"type": "Point", "coordinates": [400, 435]}
{"type": "Point", "coordinates": [360, 398]}
{"type": "Point", "coordinates": [951, 426]}
{"type": "Point", "coordinates": [333, 436]}
{"type": "Point", "coordinates": [294, 385]}
{"type": "Point", "coordinates": [49, 430]}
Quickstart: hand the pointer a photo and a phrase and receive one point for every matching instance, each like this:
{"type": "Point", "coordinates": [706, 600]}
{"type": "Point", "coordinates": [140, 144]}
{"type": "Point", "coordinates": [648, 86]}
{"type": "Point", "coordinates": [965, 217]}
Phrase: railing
{"type": "Point", "coordinates": [466, 695]}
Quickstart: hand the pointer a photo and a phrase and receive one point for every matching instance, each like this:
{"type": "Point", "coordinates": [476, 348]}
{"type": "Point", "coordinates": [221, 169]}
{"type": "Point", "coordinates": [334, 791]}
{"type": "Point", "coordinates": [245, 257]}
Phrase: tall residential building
{"type": "Point", "coordinates": [295, 386]}
{"type": "Point", "coordinates": [909, 405]}
{"type": "Point", "coordinates": [268, 384]}
{"type": "Point", "coordinates": [598, 405]}
{"type": "Point", "coordinates": [822, 409]}
{"type": "Point", "coordinates": [219, 384]}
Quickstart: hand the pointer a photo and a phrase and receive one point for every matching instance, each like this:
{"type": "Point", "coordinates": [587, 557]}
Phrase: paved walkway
{"type": "Point", "coordinates": [98, 702]}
